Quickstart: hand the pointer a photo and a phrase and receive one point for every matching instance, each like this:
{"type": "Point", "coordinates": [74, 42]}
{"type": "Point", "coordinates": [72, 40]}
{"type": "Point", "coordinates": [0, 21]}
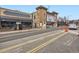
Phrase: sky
{"type": "Point", "coordinates": [70, 11]}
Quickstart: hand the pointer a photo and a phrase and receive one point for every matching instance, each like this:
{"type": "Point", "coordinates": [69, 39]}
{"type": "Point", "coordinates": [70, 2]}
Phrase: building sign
{"type": "Point", "coordinates": [18, 22]}
{"type": "Point", "coordinates": [50, 18]}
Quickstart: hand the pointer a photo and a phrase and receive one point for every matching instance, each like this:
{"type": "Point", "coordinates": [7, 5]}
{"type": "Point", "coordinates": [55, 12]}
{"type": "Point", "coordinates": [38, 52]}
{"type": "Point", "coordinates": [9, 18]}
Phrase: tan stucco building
{"type": "Point", "coordinates": [42, 17]}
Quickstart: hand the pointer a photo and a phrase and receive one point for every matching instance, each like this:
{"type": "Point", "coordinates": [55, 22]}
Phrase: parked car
{"type": "Point", "coordinates": [72, 27]}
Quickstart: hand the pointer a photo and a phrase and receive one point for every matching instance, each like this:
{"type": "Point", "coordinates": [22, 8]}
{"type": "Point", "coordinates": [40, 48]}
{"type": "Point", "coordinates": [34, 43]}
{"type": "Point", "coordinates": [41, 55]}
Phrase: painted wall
{"type": "Point", "coordinates": [50, 18]}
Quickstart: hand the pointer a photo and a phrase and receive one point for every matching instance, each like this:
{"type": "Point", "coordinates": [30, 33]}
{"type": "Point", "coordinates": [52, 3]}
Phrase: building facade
{"type": "Point", "coordinates": [13, 19]}
{"type": "Point", "coordinates": [16, 20]}
{"type": "Point", "coordinates": [44, 19]}
{"type": "Point", "coordinates": [62, 21]}
{"type": "Point", "coordinates": [40, 17]}
{"type": "Point", "coordinates": [52, 19]}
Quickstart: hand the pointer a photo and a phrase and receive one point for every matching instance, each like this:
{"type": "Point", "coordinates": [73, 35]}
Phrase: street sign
{"type": "Point", "coordinates": [18, 22]}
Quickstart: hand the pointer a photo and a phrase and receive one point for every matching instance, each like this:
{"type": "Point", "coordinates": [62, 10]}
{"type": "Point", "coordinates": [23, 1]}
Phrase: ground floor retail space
{"type": "Point", "coordinates": [13, 25]}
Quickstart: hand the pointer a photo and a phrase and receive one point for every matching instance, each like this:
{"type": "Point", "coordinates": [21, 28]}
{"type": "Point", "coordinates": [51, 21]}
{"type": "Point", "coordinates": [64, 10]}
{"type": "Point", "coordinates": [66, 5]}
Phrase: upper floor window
{"type": "Point", "coordinates": [16, 14]}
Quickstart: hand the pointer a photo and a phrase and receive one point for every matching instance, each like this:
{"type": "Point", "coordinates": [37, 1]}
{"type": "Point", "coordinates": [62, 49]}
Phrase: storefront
{"type": "Point", "coordinates": [15, 20]}
{"type": "Point", "coordinates": [51, 20]}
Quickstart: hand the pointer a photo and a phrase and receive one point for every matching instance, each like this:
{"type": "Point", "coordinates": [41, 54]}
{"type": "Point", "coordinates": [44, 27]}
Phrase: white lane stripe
{"type": "Point", "coordinates": [17, 41]}
{"type": "Point", "coordinates": [73, 32]}
{"type": "Point", "coordinates": [67, 42]}
{"type": "Point", "coordinates": [21, 44]}
{"type": "Point", "coordinates": [71, 42]}
{"type": "Point", "coordinates": [70, 39]}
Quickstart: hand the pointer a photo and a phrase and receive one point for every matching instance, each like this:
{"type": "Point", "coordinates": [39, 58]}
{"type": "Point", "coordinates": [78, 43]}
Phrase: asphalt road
{"type": "Point", "coordinates": [69, 43]}
{"type": "Point", "coordinates": [19, 45]}
{"type": "Point", "coordinates": [49, 42]}
{"type": "Point", "coordinates": [19, 35]}
{"type": "Point", "coordinates": [66, 44]}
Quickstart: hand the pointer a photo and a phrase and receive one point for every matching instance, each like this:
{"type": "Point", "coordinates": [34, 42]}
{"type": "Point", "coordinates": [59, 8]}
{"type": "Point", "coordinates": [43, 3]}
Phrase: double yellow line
{"type": "Point", "coordinates": [44, 44]}
{"type": "Point", "coordinates": [33, 50]}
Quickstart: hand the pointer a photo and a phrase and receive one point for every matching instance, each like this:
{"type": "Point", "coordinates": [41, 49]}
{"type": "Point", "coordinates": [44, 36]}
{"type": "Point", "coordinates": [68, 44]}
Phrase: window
{"type": "Point", "coordinates": [16, 14]}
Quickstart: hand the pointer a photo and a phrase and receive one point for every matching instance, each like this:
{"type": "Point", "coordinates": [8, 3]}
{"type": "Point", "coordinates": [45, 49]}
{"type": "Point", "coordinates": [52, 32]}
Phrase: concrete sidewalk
{"type": "Point", "coordinates": [19, 31]}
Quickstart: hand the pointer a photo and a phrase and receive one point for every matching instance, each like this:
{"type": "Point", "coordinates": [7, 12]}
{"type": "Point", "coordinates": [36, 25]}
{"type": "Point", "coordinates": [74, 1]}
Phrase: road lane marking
{"type": "Point", "coordinates": [21, 44]}
{"type": "Point", "coordinates": [11, 35]}
{"type": "Point", "coordinates": [44, 44]}
{"type": "Point", "coordinates": [73, 32]}
{"type": "Point", "coordinates": [69, 42]}
{"type": "Point", "coordinates": [11, 32]}
{"type": "Point", "coordinates": [14, 34]}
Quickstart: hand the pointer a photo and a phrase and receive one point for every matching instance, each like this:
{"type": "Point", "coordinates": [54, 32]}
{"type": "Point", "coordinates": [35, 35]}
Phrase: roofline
{"type": "Point", "coordinates": [14, 10]}
{"type": "Point", "coordinates": [51, 13]}
{"type": "Point", "coordinates": [54, 12]}
{"type": "Point", "coordinates": [41, 7]}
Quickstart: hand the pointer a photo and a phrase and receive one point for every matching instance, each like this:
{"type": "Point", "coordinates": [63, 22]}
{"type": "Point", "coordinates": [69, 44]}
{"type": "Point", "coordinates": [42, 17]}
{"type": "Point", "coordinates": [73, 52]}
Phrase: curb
{"type": "Point", "coordinates": [17, 31]}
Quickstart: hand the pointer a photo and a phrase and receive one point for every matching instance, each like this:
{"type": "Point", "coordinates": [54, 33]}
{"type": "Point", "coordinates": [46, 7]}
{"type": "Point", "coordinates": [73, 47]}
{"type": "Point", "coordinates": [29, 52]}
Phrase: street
{"type": "Point", "coordinates": [40, 41]}
{"type": "Point", "coordinates": [19, 35]}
